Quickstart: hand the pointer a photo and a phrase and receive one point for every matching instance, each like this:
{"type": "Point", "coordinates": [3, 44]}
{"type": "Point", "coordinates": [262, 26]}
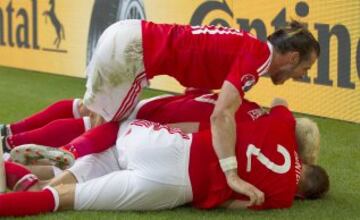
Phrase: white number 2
{"type": "Point", "coordinates": [281, 169]}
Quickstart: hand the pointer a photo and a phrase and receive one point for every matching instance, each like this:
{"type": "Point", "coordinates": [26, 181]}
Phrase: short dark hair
{"type": "Point", "coordinates": [315, 184]}
{"type": "Point", "coordinates": [295, 37]}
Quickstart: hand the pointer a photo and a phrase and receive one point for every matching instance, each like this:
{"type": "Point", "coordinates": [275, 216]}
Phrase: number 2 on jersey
{"type": "Point", "coordinates": [252, 150]}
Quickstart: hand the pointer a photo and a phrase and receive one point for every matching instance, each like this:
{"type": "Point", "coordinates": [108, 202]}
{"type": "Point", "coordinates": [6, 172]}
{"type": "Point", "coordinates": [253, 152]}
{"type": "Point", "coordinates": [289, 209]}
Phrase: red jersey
{"type": "Point", "coordinates": [192, 108]}
{"type": "Point", "coordinates": [267, 158]}
{"type": "Point", "coordinates": [204, 56]}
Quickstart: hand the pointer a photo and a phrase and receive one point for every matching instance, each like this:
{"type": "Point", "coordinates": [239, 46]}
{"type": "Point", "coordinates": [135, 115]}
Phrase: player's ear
{"type": "Point", "coordinates": [294, 57]}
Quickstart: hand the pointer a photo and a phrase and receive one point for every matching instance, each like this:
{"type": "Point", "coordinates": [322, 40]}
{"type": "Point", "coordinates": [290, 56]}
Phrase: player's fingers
{"type": "Point", "coordinates": [253, 198]}
{"type": "Point", "coordinates": [262, 198]}
{"type": "Point", "coordinates": [259, 196]}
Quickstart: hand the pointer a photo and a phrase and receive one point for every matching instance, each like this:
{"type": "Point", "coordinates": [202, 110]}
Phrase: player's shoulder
{"type": "Point", "coordinates": [259, 56]}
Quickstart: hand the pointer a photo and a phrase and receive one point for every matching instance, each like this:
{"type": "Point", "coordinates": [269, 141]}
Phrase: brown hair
{"type": "Point", "coordinates": [295, 37]}
{"type": "Point", "coordinates": [315, 183]}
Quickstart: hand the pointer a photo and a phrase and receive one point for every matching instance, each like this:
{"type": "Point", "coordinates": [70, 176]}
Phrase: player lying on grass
{"type": "Point", "coordinates": [131, 52]}
{"type": "Point", "coordinates": [155, 167]}
{"type": "Point", "coordinates": [72, 119]}
{"type": "Point", "coordinates": [194, 106]}
{"type": "Point", "coordinates": [43, 127]}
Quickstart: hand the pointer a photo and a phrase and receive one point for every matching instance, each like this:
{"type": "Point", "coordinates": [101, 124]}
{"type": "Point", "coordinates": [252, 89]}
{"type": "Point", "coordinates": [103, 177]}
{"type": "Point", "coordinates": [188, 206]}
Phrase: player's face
{"type": "Point", "coordinates": [293, 69]}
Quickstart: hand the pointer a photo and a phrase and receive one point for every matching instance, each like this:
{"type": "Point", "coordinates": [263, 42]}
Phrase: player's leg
{"type": "Point", "coordinates": [58, 110]}
{"type": "Point", "coordinates": [115, 74]}
{"type": "Point", "coordinates": [45, 172]}
{"type": "Point", "coordinates": [125, 190]}
{"type": "Point", "coordinates": [54, 134]}
{"type": "Point", "coordinates": [91, 167]}
{"type": "Point", "coordinates": [29, 203]}
{"type": "Point", "coordinates": [18, 177]}
{"type": "Point", "coordinates": [94, 141]}
{"type": "Point", "coordinates": [33, 178]}
{"type": "Point", "coordinates": [85, 168]}
{"type": "Point", "coordinates": [121, 190]}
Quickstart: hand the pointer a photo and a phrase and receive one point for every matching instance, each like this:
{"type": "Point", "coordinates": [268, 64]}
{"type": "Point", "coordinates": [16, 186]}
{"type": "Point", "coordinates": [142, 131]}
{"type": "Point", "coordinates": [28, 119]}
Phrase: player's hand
{"type": "Point", "coordinates": [256, 196]}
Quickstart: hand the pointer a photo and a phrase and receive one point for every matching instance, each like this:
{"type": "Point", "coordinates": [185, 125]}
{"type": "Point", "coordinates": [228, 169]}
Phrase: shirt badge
{"type": "Point", "coordinates": [248, 80]}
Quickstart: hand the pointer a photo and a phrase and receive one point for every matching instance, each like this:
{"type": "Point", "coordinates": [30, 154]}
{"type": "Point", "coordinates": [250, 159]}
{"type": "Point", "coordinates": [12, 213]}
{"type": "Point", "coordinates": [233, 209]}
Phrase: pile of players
{"type": "Point", "coordinates": [202, 148]}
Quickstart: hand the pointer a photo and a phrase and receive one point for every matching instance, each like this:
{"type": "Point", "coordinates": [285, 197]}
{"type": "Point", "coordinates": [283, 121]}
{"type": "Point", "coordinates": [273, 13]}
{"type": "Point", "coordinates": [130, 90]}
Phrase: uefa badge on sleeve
{"type": "Point", "coordinates": [247, 81]}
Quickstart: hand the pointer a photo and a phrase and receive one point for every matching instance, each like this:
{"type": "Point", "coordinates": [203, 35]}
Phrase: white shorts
{"type": "Point", "coordinates": [95, 165]}
{"type": "Point", "coordinates": [152, 173]}
{"type": "Point", "coordinates": [116, 72]}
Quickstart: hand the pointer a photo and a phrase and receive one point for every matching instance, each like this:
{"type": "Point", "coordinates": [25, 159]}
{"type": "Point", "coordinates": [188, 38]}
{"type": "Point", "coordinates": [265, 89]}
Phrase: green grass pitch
{"type": "Point", "coordinates": [25, 92]}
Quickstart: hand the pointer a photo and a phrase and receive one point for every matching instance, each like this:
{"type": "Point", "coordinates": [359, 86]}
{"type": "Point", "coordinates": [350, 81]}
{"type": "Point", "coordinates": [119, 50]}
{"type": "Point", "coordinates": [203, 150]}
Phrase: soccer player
{"type": "Point", "coordinates": [194, 108]}
{"type": "Point", "coordinates": [131, 52]}
{"type": "Point", "coordinates": [156, 167]}
{"type": "Point", "coordinates": [68, 117]}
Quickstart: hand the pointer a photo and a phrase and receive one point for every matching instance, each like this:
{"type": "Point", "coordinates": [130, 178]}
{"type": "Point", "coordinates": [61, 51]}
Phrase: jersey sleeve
{"type": "Point", "coordinates": [243, 76]}
{"type": "Point", "coordinates": [252, 62]}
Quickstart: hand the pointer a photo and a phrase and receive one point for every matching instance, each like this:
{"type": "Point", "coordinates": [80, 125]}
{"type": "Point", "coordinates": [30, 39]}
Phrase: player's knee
{"type": "Point", "coordinates": [66, 177]}
{"type": "Point", "coordinates": [83, 110]}
{"type": "Point", "coordinates": [96, 119]}
{"type": "Point", "coordinates": [66, 193]}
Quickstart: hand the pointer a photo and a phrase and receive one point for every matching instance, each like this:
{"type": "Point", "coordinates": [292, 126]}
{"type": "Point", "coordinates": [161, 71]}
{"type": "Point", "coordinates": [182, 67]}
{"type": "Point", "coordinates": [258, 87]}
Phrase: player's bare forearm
{"type": "Point", "coordinates": [223, 124]}
{"type": "Point", "coordinates": [223, 133]}
{"type": "Point", "coordinates": [223, 127]}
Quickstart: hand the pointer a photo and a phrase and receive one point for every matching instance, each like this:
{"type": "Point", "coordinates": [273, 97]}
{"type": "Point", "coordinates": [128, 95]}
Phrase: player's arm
{"type": "Point", "coordinates": [223, 129]}
{"type": "Point", "coordinates": [223, 124]}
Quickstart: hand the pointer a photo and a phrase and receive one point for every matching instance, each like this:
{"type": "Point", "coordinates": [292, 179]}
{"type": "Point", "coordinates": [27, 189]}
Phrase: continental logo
{"type": "Point", "coordinates": [19, 26]}
{"type": "Point", "coordinates": [325, 32]}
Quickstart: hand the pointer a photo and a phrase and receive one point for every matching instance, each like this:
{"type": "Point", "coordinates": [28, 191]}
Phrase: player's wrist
{"type": "Point", "coordinates": [229, 165]}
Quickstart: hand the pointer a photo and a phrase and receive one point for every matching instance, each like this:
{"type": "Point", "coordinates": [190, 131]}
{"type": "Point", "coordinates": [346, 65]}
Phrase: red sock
{"type": "Point", "coordinates": [26, 203]}
{"type": "Point", "coordinates": [54, 134]}
{"type": "Point", "coordinates": [61, 109]}
{"type": "Point", "coordinates": [14, 172]}
{"type": "Point", "coordinates": [94, 141]}
{"type": "Point", "coordinates": [18, 177]}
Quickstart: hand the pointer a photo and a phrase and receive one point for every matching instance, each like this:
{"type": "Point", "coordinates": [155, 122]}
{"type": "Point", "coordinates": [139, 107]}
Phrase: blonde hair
{"type": "Point", "coordinates": [308, 139]}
